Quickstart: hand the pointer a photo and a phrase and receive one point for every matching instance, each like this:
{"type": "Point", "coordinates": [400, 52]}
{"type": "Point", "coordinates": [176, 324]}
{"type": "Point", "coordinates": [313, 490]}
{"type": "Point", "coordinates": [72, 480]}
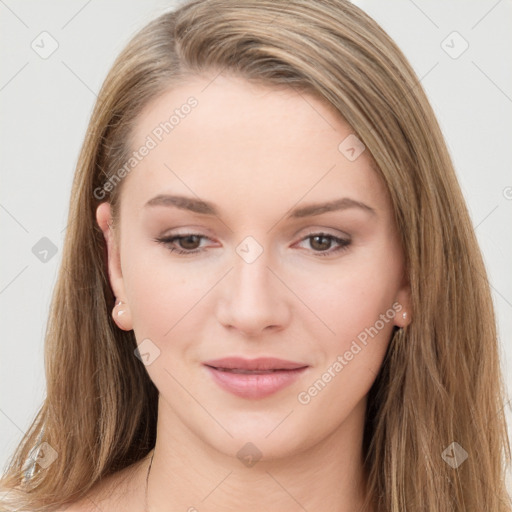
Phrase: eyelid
{"type": "Point", "coordinates": [341, 243]}
{"type": "Point", "coordinates": [321, 229]}
{"type": "Point", "coordinates": [301, 234]}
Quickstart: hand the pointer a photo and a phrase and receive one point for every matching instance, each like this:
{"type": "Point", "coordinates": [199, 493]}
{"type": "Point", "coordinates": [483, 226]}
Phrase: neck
{"type": "Point", "coordinates": [189, 474]}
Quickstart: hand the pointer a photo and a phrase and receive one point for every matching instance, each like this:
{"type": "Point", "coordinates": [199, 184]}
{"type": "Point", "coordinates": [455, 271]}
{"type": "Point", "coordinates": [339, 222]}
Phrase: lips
{"type": "Point", "coordinates": [263, 364]}
{"type": "Point", "coordinates": [254, 378]}
{"type": "Point", "coordinates": [251, 372]}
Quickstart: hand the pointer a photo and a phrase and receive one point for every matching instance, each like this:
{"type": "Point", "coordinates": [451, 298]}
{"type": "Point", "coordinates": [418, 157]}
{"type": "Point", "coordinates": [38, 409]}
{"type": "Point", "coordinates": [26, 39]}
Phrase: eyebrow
{"type": "Point", "coordinates": [206, 208]}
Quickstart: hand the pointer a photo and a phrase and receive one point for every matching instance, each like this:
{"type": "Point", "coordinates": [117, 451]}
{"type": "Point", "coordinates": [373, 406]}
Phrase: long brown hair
{"type": "Point", "coordinates": [440, 382]}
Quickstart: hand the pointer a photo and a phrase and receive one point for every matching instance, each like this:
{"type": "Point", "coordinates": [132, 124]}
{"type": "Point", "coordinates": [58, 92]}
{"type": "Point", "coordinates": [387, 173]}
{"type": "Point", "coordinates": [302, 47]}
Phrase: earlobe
{"type": "Point", "coordinates": [120, 313]}
{"type": "Point", "coordinates": [403, 316]}
{"type": "Point", "coordinates": [122, 316]}
{"type": "Point", "coordinates": [404, 319]}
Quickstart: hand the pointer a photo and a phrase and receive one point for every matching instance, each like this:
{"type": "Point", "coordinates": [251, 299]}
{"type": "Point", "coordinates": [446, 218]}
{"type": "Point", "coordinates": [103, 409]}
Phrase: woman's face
{"type": "Point", "coordinates": [266, 274]}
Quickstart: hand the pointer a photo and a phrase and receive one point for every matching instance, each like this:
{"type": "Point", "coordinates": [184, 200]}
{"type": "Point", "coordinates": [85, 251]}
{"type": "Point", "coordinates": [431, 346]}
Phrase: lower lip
{"type": "Point", "coordinates": [257, 385]}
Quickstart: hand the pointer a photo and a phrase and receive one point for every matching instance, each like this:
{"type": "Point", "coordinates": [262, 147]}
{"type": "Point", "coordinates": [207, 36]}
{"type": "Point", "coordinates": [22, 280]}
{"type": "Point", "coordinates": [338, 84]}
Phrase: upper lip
{"type": "Point", "coordinates": [260, 363]}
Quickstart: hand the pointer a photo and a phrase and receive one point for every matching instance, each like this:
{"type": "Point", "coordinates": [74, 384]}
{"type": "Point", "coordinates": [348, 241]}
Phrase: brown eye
{"type": "Point", "coordinates": [322, 242]}
{"type": "Point", "coordinates": [189, 242]}
{"type": "Point", "coordinates": [183, 244]}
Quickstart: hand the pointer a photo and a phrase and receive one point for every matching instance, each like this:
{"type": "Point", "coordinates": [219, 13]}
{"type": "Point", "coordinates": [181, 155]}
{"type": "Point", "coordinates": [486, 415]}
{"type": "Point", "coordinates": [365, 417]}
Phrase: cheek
{"type": "Point", "coordinates": [164, 305]}
{"type": "Point", "coordinates": [354, 297]}
{"type": "Point", "coordinates": [162, 295]}
{"type": "Point", "coordinates": [357, 304]}
{"type": "Point", "coordinates": [358, 307]}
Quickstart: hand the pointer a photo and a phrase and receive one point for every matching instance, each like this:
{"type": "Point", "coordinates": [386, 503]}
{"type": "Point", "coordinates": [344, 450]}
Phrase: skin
{"type": "Point", "coordinates": [255, 152]}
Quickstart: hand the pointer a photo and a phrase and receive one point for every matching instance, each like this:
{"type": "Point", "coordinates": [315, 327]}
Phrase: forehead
{"type": "Point", "coordinates": [243, 143]}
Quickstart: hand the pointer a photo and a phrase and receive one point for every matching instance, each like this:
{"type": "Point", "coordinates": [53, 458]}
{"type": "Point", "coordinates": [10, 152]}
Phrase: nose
{"type": "Point", "coordinates": [252, 298]}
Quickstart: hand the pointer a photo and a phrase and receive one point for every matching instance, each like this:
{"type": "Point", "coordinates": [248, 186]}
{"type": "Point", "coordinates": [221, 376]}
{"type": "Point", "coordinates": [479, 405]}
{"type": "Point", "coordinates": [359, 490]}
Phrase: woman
{"type": "Point", "coordinates": [264, 295]}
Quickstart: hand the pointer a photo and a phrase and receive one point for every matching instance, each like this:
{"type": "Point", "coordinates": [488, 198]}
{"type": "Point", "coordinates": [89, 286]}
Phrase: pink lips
{"type": "Point", "coordinates": [254, 378]}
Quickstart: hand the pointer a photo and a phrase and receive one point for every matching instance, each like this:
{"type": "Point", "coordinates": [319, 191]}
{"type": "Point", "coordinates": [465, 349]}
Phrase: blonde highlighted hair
{"type": "Point", "coordinates": [440, 381]}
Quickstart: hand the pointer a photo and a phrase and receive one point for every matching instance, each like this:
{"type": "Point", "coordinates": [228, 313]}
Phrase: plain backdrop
{"type": "Point", "coordinates": [54, 58]}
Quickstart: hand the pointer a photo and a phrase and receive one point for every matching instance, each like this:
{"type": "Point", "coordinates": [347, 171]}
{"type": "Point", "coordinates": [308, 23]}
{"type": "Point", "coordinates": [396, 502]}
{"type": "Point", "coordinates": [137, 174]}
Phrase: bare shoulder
{"type": "Point", "coordinates": [122, 491]}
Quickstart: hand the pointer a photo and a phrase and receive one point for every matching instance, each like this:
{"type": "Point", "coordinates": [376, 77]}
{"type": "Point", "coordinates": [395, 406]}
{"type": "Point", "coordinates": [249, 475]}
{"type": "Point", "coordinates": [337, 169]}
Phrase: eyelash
{"type": "Point", "coordinates": [168, 241]}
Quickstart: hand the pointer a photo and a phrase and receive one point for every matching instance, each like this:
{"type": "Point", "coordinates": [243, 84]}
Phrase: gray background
{"type": "Point", "coordinates": [46, 103]}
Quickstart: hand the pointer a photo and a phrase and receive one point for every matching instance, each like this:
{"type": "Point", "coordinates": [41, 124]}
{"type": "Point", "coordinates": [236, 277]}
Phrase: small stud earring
{"type": "Point", "coordinates": [120, 311]}
{"type": "Point", "coordinates": [117, 314]}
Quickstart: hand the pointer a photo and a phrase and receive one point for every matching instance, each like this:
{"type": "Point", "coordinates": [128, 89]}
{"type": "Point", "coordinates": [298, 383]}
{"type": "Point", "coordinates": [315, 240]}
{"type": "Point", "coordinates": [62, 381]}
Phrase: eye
{"type": "Point", "coordinates": [188, 243]}
{"type": "Point", "coordinates": [321, 242]}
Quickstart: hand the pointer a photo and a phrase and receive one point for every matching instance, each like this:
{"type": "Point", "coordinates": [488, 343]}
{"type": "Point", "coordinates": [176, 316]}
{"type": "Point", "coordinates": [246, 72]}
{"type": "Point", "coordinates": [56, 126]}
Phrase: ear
{"type": "Point", "coordinates": [121, 313]}
{"type": "Point", "coordinates": [404, 314]}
